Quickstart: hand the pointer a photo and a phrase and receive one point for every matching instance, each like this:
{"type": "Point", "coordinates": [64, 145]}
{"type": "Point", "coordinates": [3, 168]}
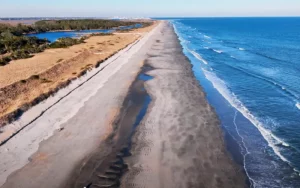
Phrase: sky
{"type": "Point", "coordinates": [148, 8]}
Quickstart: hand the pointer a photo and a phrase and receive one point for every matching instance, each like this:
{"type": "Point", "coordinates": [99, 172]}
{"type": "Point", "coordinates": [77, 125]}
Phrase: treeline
{"type": "Point", "coordinates": [42, 26]}
{"type": "Point", "coordinates": [15, 45]}
{"type": "Point", "coordinates": [19, 47]}
{"type": "Point", "coordinates": [52, 25]}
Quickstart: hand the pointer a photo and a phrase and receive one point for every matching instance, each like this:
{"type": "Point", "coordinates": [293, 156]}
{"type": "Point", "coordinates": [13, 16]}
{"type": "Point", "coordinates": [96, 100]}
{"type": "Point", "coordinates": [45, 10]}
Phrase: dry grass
{"type": "Point", "coordinates": [27, 80]}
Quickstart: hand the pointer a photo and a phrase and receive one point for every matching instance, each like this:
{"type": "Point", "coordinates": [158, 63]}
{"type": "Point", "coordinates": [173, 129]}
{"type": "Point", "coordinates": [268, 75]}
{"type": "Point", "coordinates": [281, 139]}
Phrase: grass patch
{"type": "Point", "coordinates": [101, 34]}
{"type": "Point", "coordinates": [5, 61]}
{"type": "Point", "coordinates": [66, 42]}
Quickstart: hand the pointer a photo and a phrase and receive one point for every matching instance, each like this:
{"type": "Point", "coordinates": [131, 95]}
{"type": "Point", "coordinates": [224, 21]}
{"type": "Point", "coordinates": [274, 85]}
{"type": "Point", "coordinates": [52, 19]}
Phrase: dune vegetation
{"type": "Point", "coordinates": [14, 44]}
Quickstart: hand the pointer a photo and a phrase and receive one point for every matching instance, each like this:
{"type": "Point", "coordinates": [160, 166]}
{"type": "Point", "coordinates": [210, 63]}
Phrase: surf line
{"type": "Point", "coordinates": [106, 166]}
{"type": "Point", "coordinates": [251, 180]}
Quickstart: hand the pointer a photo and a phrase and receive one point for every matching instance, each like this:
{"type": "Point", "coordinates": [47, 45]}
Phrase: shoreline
{"type": "Point", "coordinates": [248, 139]}
{"type": "Point", "coordinates": [173, 146]}
{"type": "Point", "coordinates": [216, 99]}
{"type": "Point", "coordinates": [178, 142]}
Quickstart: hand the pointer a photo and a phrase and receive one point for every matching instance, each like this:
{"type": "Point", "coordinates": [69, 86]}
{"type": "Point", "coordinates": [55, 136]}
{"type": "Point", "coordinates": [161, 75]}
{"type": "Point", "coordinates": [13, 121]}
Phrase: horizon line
{"type": "Point", "coordinates": [269, 16]}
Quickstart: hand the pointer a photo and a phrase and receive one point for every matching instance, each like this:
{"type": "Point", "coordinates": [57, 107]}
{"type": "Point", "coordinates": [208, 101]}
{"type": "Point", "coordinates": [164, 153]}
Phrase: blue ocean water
{"type": "Point", "coordinates": [53, 36]}
{"type": "Point", "coordinates": [250, 70]}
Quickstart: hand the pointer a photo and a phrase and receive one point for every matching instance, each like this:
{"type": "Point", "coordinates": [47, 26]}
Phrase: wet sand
{"type": "Point", "coordinates": [85, 140]}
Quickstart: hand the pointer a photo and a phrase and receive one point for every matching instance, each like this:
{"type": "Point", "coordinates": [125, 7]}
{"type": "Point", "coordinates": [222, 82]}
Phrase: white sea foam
{"type": "Point", "coordinates": [208, 37]}
{"type": "Point", "coordinates": [297, 171]}
{"type": "Point", "coordinates": [280, 141]}
{"type": "Point", "coordinates": [218, 51]}
{"type": "Point", "coordinates": [220, 85]}
{"type": "Point", "coordinates": [198, 56]}
{"type": "Point", "coordinates": [285, 144]}
{"type": "Point", "coordinates": [206, 47]}
{"type": "Point", "coordinates": [273, 141]}
{"type": "Point", "coordinates": [233, 100]}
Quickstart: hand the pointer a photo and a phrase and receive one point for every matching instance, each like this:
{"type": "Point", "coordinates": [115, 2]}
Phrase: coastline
{"type": "Point", "coordinates": [251, 141]}
{"type": "Point", "coordinates": [178, 143]}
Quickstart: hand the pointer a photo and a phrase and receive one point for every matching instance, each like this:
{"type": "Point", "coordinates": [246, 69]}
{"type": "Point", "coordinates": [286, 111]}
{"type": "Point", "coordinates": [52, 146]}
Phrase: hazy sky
{"type": "Point", "coordinates": [147, 8]}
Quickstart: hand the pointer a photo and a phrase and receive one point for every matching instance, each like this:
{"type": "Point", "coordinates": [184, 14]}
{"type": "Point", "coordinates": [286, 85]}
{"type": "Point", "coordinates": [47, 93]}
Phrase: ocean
{"type": "Point", "coordinates": [250, 71]}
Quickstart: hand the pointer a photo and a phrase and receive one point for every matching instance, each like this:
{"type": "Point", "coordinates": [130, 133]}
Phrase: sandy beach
{"type": "Point", "coordinates": [99, 131]}
{"type": "Point", "coordinates": [179, 142]}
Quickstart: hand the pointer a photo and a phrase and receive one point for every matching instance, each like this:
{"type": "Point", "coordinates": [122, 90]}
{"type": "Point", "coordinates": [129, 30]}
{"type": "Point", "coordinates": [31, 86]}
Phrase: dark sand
{"type": "Point", "coordinates": [106, 165]}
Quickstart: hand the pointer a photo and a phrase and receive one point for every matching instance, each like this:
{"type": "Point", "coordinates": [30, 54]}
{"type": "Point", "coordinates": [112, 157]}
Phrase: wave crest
{"type": "Point", "coordinates": [218, 51]}
{"type": "Point", "coordinates": [220, 85]}
{"type": "Point", "coordinates": [198, 56]}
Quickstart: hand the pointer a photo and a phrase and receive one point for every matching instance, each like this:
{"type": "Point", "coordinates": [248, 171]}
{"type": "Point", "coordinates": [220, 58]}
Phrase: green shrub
{"type": "Point", "coordinates": [65, 42]}
{"type": "Point", "coordinates": [5, 61]}
{"type": "Point", "coordinates": [18, 46]}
